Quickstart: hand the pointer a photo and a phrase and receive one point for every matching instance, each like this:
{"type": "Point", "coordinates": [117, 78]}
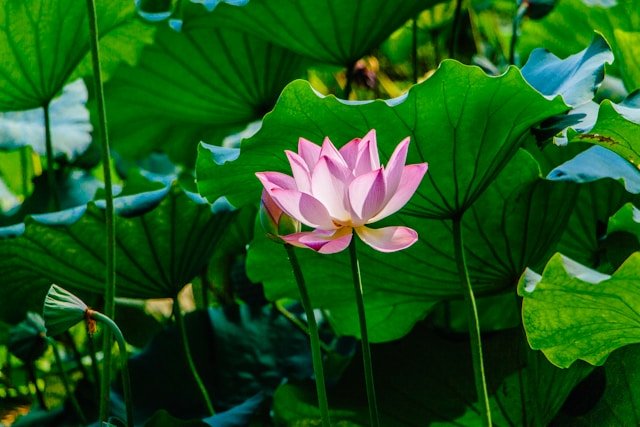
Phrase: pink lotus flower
{"type": "Point", "coordinates": [337, 192]}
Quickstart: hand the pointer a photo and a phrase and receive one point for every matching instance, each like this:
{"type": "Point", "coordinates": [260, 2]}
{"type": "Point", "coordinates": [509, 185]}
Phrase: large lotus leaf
{"type": "Point", "coordinates": [465, 124]}
{"type": "Point", "coordinates": [417, 386]}
{"type": "Point", "coordinates": [164, 238]}
{"type": "Point", "coordinates": [620, 403]}
{"type": "Point", "coordinates": [585, 17]}
{"type": "Point", "coordinates": [70, 125]}
{"type": "Point", "coordinates": [583, 237]}
{"type": "Point", "coordinates": [576, 77]}
{"type": "Point", "coordinates": [334, 31]}
{"type": "Point", "coordinates": [43, 41]}
{"type": "Point", "coordinates": [195, 85]}
{"type": "Point", "coordinates": [598, 163]}
{"type": "Point", "coordinates": [572, 312]}
{"type": "Point", "coordinates": [75, 187]}
{"type": "Point", "coordinates": [514, 224]}
{"type": "Point", "coordinates": [616, 129]}
{"type": "Point", "coordinates": [627, 45]}
{"type": "Point", "coordinates": [239, 352]}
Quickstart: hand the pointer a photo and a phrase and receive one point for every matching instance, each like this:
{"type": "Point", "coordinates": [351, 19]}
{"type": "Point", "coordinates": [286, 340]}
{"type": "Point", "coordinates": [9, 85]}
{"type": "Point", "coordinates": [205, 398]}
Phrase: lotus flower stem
{"type": "Point", "coordinates": [51, 175]}
{"type": "Point", "coordinates": [94, 362]}
{"type": "Point", "coordinates": [24, 166]}
{"type": "Point", "coordinates": [124, 360]}
{"type": "Point", "coordinates": [299, 324]}
{"type": "Point", "coordinates": [314, 337]}
{"type": "Point", "coordinates": [515, 30]}
{"type": "Point", "coordinates": [31, 372]}
{"type": "Point", "coordinates": [66, 383]}
{"type": "Point", "coordinates": [184, 339]}
{"type": "Point", "coordinates": [455, 30]}
{"type": "Point", "coordinates": [70, 342]}
{"type": "Point", "coordinates": [349, 85]}
{"type": "Point", "coordinates": [364, 336]}
{"type": "Point", "coordinates": [474, 325]}
{"type": "Point", "coordinates": [414, 47]}
{"type": "Point", "coordinates": [110, 258]}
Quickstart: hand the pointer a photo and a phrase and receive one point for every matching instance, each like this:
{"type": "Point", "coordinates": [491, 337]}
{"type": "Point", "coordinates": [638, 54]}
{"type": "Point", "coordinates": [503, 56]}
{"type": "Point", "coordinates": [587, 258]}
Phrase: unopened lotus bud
{"type": "Point", "coordinates": [274, 221]}
{"type": "Point", "coordinates": [62, 310]}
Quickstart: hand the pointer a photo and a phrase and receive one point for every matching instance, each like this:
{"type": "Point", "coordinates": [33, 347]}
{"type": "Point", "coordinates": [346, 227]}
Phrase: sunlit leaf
{"type": "Point", "coordinates": [627, 44]}
{"type": "Point", "coordinates": [466, 124]}
{"type": "Point", "coordinates": [42, 42]}
{"type": "Point", "coordinates": [614, 131]}
{"type": "Point", "coordinates": [572, 312]}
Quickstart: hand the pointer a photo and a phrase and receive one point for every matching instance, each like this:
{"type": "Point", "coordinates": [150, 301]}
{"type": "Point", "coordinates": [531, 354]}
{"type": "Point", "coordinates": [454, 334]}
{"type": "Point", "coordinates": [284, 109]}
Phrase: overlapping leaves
{"type": "Point", "coordinates": [164, 239]}
{"type": "Point", "coordinates": [220, 80]}
{"type": "Point", "coordinates": [332, 31]}
{"type": "Point", "coordinates": [42, 42]}
{"type": "Point", "coordinates": [466, 124]}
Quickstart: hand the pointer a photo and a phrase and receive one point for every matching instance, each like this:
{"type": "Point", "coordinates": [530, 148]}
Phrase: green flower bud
{"type": "Point", "coordinates": [274, 220]}
{"type": "Point", "coordinates": [62, 310]}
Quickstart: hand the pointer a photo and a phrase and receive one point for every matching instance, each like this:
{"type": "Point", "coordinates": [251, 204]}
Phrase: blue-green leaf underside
{"type": "Point", "coordinates": [164, 238]}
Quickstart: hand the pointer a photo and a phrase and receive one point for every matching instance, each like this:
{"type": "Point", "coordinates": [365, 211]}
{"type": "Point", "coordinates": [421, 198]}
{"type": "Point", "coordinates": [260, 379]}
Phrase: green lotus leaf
{"type": "Point", "coordinates": [417, 386]}
{"type": "Point", "coordinates": [62, 310]}
{"type": "Point", "coordinates": [199, 84]}
{"type": "Point", "coordinates": [27, 339]}
{"type": "Point", "coordinates": [572, 312]}
{"type": "Point", "coordinates": [585, 17]}
{"type": "Point", "coordinates": [616, 129]}
{"type": "Point", "coordinates": [332, 31]}
{"type": "Point", "coordinates": [515, 223]}
{"type": "Point", "coordinates": [627, 44]}
{"type": "Point", "coordinates": [42, 43]}
{"type": "Point", "coordinates": [70, 125]}
{"type": "Point", "coordinates": [164, 239]}
{"type": "Point", "coordinates": [620, 401]}
{"type": "Point", "coordinates": [466, 124]}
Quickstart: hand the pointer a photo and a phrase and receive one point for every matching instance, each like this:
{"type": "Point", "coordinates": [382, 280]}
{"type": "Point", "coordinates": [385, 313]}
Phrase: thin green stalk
{"type": "Point", "coordinates": [474, 325]}
{"type": "Point", "coordinates": [414, 48]}
{"type": "Point", "coordinates": [124, 361]}
{"type": "Point", "coordinates": [66, 383]}
{"type": "Point", "coordinates": [453, 42]}
{"type": "Point", "coordinates": [94, 363]}
{"type": "Point", "coordinates": [24, 166]}
{"type": "Point", "coordinates": [110, 258]}
{"type": "Point", "coordinates": [314, 336]}
{"type": "Point", "coordinates": [364, 336]}
{"type": "Point", "coordinates": [184, 339]}
{"type": "Point", "coordinates": [349, 85]}
{"type": "Point", "coordinates": [51, 173]}
{"type": "Point", "coordinates": [515, 30]}
{"type": "Point", "coordinates": [76, 353]}
{"type": "Point", "coordinates": [299, 324]}
{"type": "Point", "coordinates": [31, 372]}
